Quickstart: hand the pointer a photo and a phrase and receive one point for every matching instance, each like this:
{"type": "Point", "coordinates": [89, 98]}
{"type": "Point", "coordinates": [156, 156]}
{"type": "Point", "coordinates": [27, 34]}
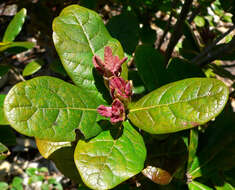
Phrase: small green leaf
{"type": "Point", "coordinates": [3, 151]}
{"type": "Point", "coordinates": [199, 21]}
{"type": "Point", "coordinates": [32, 67]}
{"type": "Point", "coordinates": [52, 109]}
{"type": "Point", "coordinates": [31, 171]}
{"type": "Point", "coordinates": [7, 45]}
{"type": "Point", "coordinates": [125, 28]}
{"type": "Point", "coordinates": [15, 26]}
{"type": "Point", "coordinates": [61, 153]}
{"type": "Point", "coordinates": [3, 185]}
{"type": "Point", "coordinates": [3, 120]}
{"type": "Point", "coordinates": [192, 148]}
{"type": "Point", "coordinates": [194, 185]}
{"type": "Point", "coordinates": [105, 162]}
{"type": "Point", "coordinates": [17, 183]}
{"type": "Point", "coordinates": [179, 105]}
{"type": "Point", "coordinates": [79, 34]}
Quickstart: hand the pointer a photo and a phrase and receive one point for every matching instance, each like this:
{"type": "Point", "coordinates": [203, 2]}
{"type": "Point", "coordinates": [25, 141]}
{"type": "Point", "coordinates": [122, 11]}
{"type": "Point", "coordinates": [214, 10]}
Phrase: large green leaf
{"type": "Point", "coordinates": [79, 34]}
{"type": "Point", "coordinates": [3, 120]}
{"type": "Point", "coordinates": [105, 162]}
{"type": "Point", "coordinates": [51, 109]}
{"type": "Point", "coordinates": [15, 26]}
{"type": "Point", "coordinates": [194, 185]}
{"type": "Point", "coordinates": [61, 153]}
{"type": "Point", "coordinates": [179, 105]}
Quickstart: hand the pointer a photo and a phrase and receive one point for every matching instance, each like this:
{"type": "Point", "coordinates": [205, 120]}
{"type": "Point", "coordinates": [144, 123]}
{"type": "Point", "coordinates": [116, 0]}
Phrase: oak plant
{"type": "Point", "coordinates": [95, 123]}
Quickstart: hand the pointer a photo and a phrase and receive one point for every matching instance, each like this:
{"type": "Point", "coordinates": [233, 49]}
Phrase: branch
{"type": "Point", "coordinates": [213, 55]}
{"type": "Point", "coordinates": [212, 45]}
{"type": "Point", "coordinates": [168, 24]}
{"type": "Point", "coordinates": [177, 32]}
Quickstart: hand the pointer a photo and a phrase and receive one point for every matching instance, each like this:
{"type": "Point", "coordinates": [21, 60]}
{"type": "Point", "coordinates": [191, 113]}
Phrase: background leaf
{"type": "Point", "coordinates": [125, 28]}
{"type": "Point", "coordinates": [51, 109]}
{"type": "Point", "coordinates": [3, 151]}
{"type": "Point", "coordinates": [15, 26]}
{"type": "Point", "coordinates": [32, 67]}
{"type": "Point", "coordinates": [192, 148]}
{"type": "Point", "coordinates": [61, 153]}
{"type": "Point", "coordinates": [179, 105]}
{"type": "Point", "coordinates": [194, 185]}
{"type": "Point", "coordinates": [10, 45]}
{"type": "Point", "coordinates": [79, 34]}
{"type": "Point", "coordinates": [106, 161]}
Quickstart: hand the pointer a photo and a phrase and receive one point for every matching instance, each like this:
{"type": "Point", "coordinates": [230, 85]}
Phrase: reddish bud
{"type": "Point", "coordinates": [119, 88]}
{"type": "Point", "coordinates": [116, 112]}
{"type": "Point", "coordinates": [112, 65]}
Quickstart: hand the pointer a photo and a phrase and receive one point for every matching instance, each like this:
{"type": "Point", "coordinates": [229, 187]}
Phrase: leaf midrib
{"type": "Point", "coordinates": [161, 105]}
{"type": "Point", "coordinates": [53, 108]}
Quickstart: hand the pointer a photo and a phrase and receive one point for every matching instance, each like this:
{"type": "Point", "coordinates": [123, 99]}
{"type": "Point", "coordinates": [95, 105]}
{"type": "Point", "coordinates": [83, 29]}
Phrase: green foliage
{"type": "Point", "coordinates": [168, 97]}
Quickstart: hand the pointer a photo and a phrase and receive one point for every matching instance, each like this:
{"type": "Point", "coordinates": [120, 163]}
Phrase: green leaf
{"type": "Point", "coordinates": [179, 105]}
{"type": "Point", "coordinates": [199, 21]}
{"type": "Point", "coordinates": [79, 34]}
{"type": "Point", "coordinates": [3, 185]}
{"type": "Point", "coordinates": [105, 162]}
{"type": "Point", "coordinates": [32, 67]}
{"type": "Point", "coordinates": [150, 65]}
{"type": "Point", "coordinates": [4, 70]}
{"type": "Point", "coordinates": [218, 152]}
{"type": "Point", "coordinates": [3, 151]}
{"type": "Point", "coordinates": [52, 109]}
{"type": "Point", "coordinates": [148, 35]}
{"type": "Point", "coordinates": [24, 45]}
{"type": "Point", "coordinates": [125, 28]}
{"type": "Point", "coordinates": [17, 183]}
{"type": "Point", "coordinates": [61, 153]}
{"type": "Point", "coordinates": [15, 26]}
{"type": "Point", "coordinates": [9, 138]}
{"type": "Point", "coordinates": [192, 148]}
{"type": "Point", "coordinates": [194, 185]}
{"type": "Point", "coordinates": [3, 120]}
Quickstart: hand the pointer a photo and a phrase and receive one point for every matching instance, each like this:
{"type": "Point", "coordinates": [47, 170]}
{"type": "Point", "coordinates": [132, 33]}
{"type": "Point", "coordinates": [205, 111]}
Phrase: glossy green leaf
{"type": "Point", "coordinates": [3, 151]}
{"type": "Point", "coordinates": [192, 148]}
{"type": "Point", "coordinates": [3, 120]}
{"type": "Point", "coordinates": [7, 45]}
{"type": "Point", "coordinates": [61, 153]}
{"type": "Point", "coordinates": [15, 26]}
{"type": "Point", "coordinates": [51, 109]}
{"type": "Point", "coordinates": [194, 185]}
{"type": "Point", "coordinates": [125, 28]}
{"type": "Point", "coordinates": [32, 67]}
{"type": "Point", "coordinates": [179, 105]}
{"type": "Point", "coordinates": [79, 34]}
{"type": "Point", "coordinates": [105, 162]}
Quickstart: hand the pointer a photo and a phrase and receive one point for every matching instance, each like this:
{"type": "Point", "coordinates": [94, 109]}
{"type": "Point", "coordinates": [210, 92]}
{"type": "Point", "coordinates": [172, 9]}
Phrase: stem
{"type": "Point", "coordinates": [177, 32]}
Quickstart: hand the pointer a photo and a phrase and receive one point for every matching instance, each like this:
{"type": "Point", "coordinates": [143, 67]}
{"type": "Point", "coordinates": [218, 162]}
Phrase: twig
{"type": "Point", "coordinates": [168, 24]}
{"type": "Point", "coordinates": [213, 55]}
{"type": "Point", "coordinates": [177, 30]}
{"type": "Point", "coordinates": [212, 45]}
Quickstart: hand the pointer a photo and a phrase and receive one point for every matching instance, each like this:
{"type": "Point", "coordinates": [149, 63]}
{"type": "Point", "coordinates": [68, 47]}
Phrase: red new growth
{"type": "Point", "coordinates": [112, 65]}
{"type": "Point", "coordinates": [116, 112]}
{"type": "Point", "coordinates": [119, 88]}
